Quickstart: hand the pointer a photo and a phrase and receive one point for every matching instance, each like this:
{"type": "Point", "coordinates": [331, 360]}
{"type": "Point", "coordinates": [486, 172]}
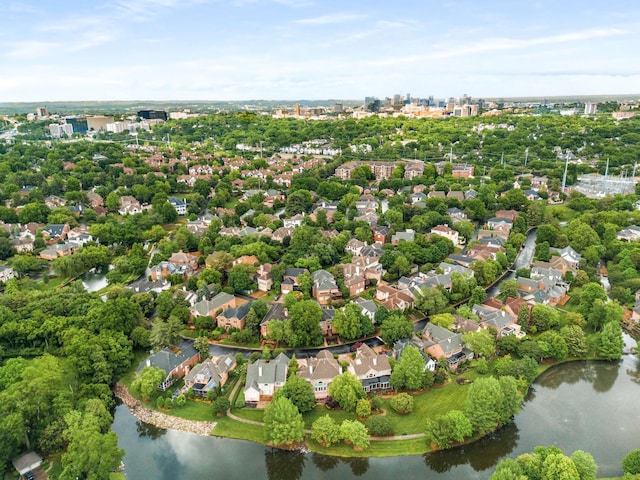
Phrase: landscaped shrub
{"type": "Point", "coordinates": [239, 403]}
{"type": "Point", "coordinates": [221, 405]}
{"type": "Point", "coordinates": [168, 403]}
{"type": "Point", "coordinates": [160, 402]}
{"type": "Point", "coordinates": [363, 408]}
{"type": "Point", "coordinates": [376, 404]}
{"type": "Point", "coordinates": [631, 462]}
{"type": "Point", "coordinates": [190, 394]}
{"type": "Point", "coordinates": [402, 403]}
{"type": "Point", "coordinates": [379, 426]}
{"type": "Point", "coordinates": [180, 400]}
{"type": "Point", "coordinates": [482, 366]}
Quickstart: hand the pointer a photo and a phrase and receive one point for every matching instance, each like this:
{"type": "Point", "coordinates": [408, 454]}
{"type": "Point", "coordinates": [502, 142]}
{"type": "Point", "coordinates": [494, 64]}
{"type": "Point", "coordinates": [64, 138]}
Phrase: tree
{"type": "Point", "coordinates": [348, 322]}
{"type": "Point", "coordinates": [355, 433]}
{"type": "Point", "coordinates": [202, 345]}
{"type": "Point", "coordinates": [409, 371]}
{"type": "Point", "coordinates": [482, 343]}
{"type": "Point", "coordinates": [402, 403]}
{"type": "Point", "coordinates": [552, 345]}
{"type": "Point", "coordinates": [283, 424]}
{"type": "Point", "coordinates": [221, 405]}
{"type": "Point", "coordinates": [478, 295]}
{"type": "Point", "coordinates": [589, 294]}
{"type": "Point", "coordinates": [147, 381]}
{"type": "Point", "coordinates": [447, 428]}
{"type": "Point", "coordinates": [300, 392]}
{"type": "Point", "coordinates": [92, 450]}
{"type": "Point", "coordinates": [544, 317]}
{"type": "Point", "coordinates": [346, 389]}
{"type": "Point", "coordinates": [164, 333]}
{"type": "Point", "coordinates": [379, 426]}
{"type": "Point", "coordinates": [240, 277]}
{"type": "Point", "coordinates": [585, 464]}
{"type": "Point", "coordinates": [559, 467]}
{"type": "Point", "coordinates": [575, 339]}
{"type": "Point", "coordinates": [363, 408]}
{"type": "Point", "coordinates": [395, 327]}
{"type": "Point", "coordinates": [303, 325]}
{"type": "Point", "coordinates": [484, 400]}
{"type": "Point", "coordinates": [112, 202]}
{"type": "Point", "coordinates": [431, 300]}
{"type": "Point", "coordinates": [611, 343]}
{"type": "Point", "coordinates": [325, 431]}
{"type": "Point", "coordinates": [631, 462]}
{"type": "Point", "coordinates": [444, 320]}
{"type": "Point", "coordinates": [509, 288]}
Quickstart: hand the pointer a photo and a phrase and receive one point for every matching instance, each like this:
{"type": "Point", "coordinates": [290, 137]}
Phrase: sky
{"type": "Point", "coordinates": [315, 49]}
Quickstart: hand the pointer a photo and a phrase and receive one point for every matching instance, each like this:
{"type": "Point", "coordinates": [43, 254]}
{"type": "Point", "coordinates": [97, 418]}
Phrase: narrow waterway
{"type": "Point", "coordinates": [590, 406]}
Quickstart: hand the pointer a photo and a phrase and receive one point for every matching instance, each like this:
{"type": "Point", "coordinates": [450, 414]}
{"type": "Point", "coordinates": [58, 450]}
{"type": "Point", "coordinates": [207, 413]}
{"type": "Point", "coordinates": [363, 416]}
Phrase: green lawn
{"type": "Point", "coordinates": [383, 448]}
{"type": "Point", "coordinates": [233, 429]}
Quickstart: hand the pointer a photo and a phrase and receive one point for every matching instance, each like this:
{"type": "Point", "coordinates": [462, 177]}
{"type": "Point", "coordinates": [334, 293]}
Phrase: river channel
{"type": "Point", "coordinates": [590, 406]}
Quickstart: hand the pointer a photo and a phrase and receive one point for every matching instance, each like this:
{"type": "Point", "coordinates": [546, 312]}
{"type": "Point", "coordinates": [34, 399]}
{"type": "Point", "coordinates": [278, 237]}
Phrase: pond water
{"type": "Point", "coordinates": [590, 406]}
{"type": "Point", "coordinates": [94, 281]}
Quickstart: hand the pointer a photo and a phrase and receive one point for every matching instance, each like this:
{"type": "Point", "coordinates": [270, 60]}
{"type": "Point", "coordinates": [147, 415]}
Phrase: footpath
{"type": "Point", "coordinates": [159, 419]}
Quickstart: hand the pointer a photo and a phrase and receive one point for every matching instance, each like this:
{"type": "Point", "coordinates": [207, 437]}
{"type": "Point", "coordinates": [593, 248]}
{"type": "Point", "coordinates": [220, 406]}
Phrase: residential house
{"type": "Point", "coordinates": [324, 287]}
{"type": "Point", "coordinates": [496, 223]}
{"type": "Point", "coordinates": [129, 205]}
{"type": "Point", "coordinates": [436, 194]}
{"type": "Point", "coordinates": [211, 307]}
{"type": "Point", "coordinates": [250, 260]}
{"type": "Point", "coordinates": [319, 371]}
{"type": "Point", "coordinates": [264, 278]}
{"type": "Point", "coordinates": [53, 202]}
{"type": "Point", "coordinates": [442, 343]}
{"type": "Point", "coordinates": [6, 273]}
{"type": "Point", "coordinates": [182, 258]}
{"type": "Point", "coordinates": [458, 195]}
{"type": "Point", "coordinates": [326, 321]}
{"type": "Point", "coordinates": [380, 234]}
{"type": "Point", "coordinates": [55, 231]}
{"type": "Point", "coordinates": [233, 317]}
{"type": "Point", "coordinates": [629, 234]}
{"type": "Point", "coordinates": [58, 250]}
{"type": "Point", "coordinates": [277, 311]}
{"type": "Point", "coordinates": [371, 368]}
{"type": "Point", "coordinates": [23, 245]}
{"type": "Point", "coordinates": [392, 298]}
{"type": "Point", "coordinates": [446, 232]}
{"type": "Point", "coordinates": [568, 254]}
{"type": "Point", "coordinates": [290, 279]}
{"type": "Point", "coordinates": [294, 221]}
{"type": "Point", "coordinates": [166, 269]}
{"type": "Point", "coordinates": [179, 204]}
{"type": "Point", "coordinates": [279, 234]}
{"type": "Point", "coordinates": [175, 363]}
{"type": "Point", "coordinates": [264, 377]}
{"type": "Point", "coordinates": [142, 285]}
{"type": "Point", "coordinates": [354, 246]}
{"type": "Point", "coordinates": [210, 374]}
{"type": "Point", "coordinates": [457, 215]}
{"type": "Point", "coordinates": [508, 214]}
{"type": "Point", "coordinates": [503, 322]}
{"type": "Point", "coordinates": [367, 307]}
{"type": "Point", "coordinates": [418, 197]}
{"type": "Point", "coordinates": [407, 236]}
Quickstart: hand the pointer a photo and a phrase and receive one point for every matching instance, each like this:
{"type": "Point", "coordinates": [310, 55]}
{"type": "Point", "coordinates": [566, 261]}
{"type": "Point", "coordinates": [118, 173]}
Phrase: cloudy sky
{"type": "Point", "coordinates": [315, 49]}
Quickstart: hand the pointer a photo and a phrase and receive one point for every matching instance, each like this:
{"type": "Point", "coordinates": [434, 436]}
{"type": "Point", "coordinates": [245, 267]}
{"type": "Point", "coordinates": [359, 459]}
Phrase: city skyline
{"type": "Point", "coordinates": [293, 49]}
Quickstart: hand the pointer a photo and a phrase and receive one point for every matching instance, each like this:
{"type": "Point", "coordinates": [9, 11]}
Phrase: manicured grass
{"type": "Point", "coordinates": [192, 410]}
{"type": "Point", "coordinates": [254, 414]}
{"type": "Point", "coordinates": [117, 476]}
{"type": "Point", "coordinates": [321, 410]}
{"type": "Point", "coordinates": [382, 448]}
{"type": "Point", "coordinates": [227, 427]}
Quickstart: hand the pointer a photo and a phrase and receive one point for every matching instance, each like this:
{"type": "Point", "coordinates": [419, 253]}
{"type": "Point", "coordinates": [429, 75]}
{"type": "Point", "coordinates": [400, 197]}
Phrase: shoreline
{"type": "Point", "coordinates": [159, 419]}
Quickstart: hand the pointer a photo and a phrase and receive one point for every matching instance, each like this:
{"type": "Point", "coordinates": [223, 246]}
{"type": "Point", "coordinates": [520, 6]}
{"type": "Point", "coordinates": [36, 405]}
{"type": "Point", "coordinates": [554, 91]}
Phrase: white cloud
{"type": "Point", "coordinates": [30, 49]}
{"type": "Point", "coordinates": [331, 19]}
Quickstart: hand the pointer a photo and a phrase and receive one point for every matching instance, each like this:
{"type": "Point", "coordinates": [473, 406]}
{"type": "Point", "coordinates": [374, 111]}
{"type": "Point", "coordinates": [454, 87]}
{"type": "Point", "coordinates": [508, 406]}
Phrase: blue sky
{"type": "Point", "coordinates": [315, 49]}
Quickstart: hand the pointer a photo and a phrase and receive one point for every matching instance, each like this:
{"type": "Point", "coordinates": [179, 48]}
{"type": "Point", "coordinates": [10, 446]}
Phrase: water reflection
{"type": "Point", "coordinates": [148, 430]}
{"type": "Point", "coordinates": [324, 462]}
{"type": "Point", "coordinates": [606, 376]}
{"type": "Point", "coordinates": [358, 465]}
{"type": "Point", "coordinates": [483, 454]}
{"type": "Point", "coordinates": [284, 465]}
{"type": "Point", "coordinates": [634, 373]}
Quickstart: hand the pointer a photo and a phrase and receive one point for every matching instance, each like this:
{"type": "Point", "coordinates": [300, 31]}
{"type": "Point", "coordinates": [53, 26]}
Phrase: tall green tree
{"type": "Point", "coordinates": [346, 389]}
{"type": "Point", "coordinates": [409, 371]}
{"type": "Point", "coordinates": [283, 424]}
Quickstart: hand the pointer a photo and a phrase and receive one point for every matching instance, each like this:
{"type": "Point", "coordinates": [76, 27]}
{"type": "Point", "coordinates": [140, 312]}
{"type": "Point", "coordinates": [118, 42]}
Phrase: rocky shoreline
{"type": "Point", "coordinates": [158, 419]}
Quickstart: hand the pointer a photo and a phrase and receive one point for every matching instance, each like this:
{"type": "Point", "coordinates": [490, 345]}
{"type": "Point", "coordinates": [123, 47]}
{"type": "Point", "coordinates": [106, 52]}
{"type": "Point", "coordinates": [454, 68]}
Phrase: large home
{"type": "Point", "coordinates": [503, 322]}
{"type": "Point", "coordinates": [210, 374]}
{"type": "Point", "coordinates": [6, 273]}
{"type": "Point", "coordinates": [446, 232]}
{"type": "Point", "coordinates": [181, 258]}
{"type": "Point", "coordinates": [55, 231]}
{"type": "Point", "coordinates": [569, 255]}
{"type": "Point", "coordinates": [211, 307]}
{"type": "Point", "coordinates": [233, 317]}
{"type": "Point", "coordinates": [176, 364]}
{"type": "Point", "coordinates": [129, 205]}
{"type": "Point", "coordinates": [371, 368]}
{"type": "Point", "coordinates": [290, 279]}
{"type": "Point", "coordinates": [319, 371]}
{"type": "Point", "coordinates": [442, 343]}
{"type": "Point", "coordinates": [407, 236]}
{"type": "Point", "coordinates": [264, 377]}
{"type": "Point", "coordinates": [629, 234]}
{"type": "Point", "coordinates": [277, 311]}
{"type": "Point", "coordinates": [392, 298]}
{"type": "Point", "coordinates": [264, 278]}
{"type": "Point", "coordinates": [354, 246]}
{"type": "Point", "coordinates": [380, 234]}
{"type": "Point", "coordinates": [509, 214]}
{"type": "Point", "coordinates": [367, 307]}
{"type": "Point", "coordinates": [179, 205]}
{"type": "Point", "coordinates": [499, 223]}
{"type": "Point", "coordinates": [324, 287]}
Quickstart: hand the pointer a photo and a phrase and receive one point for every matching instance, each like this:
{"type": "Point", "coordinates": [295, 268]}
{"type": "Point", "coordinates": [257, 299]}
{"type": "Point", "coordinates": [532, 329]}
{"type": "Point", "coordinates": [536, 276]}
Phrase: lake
{"type": "Point", "coordinates": [590, 406]}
